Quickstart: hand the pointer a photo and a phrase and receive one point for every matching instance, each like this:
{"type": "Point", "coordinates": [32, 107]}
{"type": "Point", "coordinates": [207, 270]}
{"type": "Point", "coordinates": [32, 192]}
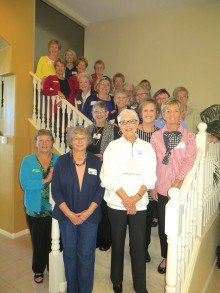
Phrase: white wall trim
{"type": "Point", "coordinates": [67, 12]}
{"type": "Point", "coordinates": [14, 235]}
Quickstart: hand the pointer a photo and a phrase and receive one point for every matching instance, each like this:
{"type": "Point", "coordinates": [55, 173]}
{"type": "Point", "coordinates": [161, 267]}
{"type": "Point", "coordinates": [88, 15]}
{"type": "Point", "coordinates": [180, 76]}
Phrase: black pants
{"type": "Point", "coordinates": [137, 230]}
{"type": "Point", "coordinates": [40, 230]}
{"type": "Point", "coordinates": [161, 204]}
{"type": "Point", "coordinates": [151, 207]}
{"type": "Point", "coordinates": [104, 229]}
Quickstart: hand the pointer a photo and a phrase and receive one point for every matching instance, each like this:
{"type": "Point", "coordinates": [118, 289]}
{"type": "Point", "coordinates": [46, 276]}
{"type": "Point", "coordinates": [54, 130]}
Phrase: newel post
{"type": "Point", "coordinates": [173, 230]}
{"type": "Point", "coordinates": [57, 281]}
{"type": "Point", "coordinates": [201, 142]}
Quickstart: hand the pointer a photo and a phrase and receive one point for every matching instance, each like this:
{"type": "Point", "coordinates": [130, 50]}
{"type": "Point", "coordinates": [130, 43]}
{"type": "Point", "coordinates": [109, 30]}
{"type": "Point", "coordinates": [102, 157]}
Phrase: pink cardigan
{"type": "Point", "coordinates": [181, 159]}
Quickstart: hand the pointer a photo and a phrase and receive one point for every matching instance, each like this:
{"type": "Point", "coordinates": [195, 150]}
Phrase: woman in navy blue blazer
{"type": "Point", "coordinates": [77, 194]}
{"type": "Point", "coordinates": [35, 175]}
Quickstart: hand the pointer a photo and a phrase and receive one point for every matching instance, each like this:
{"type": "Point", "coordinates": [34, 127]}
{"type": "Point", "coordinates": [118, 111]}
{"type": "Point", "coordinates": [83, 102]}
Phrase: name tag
{"type": "Point", "coordinates": [56, 81]}
{"type": "Point", "coordinates": [36, 170]}
{"type": "Point", "coordinates": [139, 152]}
{"type": "Point", "coordinates": [97, 135]}
{"type": "Point", "coordinates": [49, 62]}
{"type": "Point", "coordinates": [92, 103]}
{"type": "Point", "coordinates": [181, 145]}
{"type": "Point", "coordinates": [79, 102]}
{"type": "Point", "coordinates": [92, 171]}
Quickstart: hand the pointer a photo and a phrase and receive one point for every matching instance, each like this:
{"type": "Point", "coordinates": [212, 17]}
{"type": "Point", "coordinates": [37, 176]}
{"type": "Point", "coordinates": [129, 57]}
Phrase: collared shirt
{"type": "Point", "coordinates": [181, 159]}
{"type": "Point", "coordinates": [70, 72]}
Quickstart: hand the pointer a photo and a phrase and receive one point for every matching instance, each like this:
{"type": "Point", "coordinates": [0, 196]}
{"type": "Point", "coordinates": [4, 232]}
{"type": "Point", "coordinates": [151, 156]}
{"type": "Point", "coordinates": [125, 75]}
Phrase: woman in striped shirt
{"type": "Point", "coordinates": [149, 111]}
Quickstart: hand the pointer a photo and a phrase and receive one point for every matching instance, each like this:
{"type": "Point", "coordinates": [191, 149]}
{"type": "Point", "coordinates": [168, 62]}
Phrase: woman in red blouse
{"type": "Point", "coordinates": [81, 65]}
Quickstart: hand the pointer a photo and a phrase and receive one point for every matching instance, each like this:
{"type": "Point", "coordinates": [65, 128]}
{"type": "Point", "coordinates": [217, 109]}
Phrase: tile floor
{"type": "Point", "coordinates": [16, 275]}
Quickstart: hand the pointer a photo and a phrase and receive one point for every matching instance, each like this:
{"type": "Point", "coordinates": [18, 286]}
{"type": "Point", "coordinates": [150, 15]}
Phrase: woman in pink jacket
{"type": "Point", "coordinates": [175, 149]}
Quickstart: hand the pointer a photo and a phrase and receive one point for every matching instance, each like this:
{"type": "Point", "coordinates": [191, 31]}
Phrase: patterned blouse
{"type": "Point", "coordinates": [44, 193]}
{"type": "Point", "coordinates": [146, 136]}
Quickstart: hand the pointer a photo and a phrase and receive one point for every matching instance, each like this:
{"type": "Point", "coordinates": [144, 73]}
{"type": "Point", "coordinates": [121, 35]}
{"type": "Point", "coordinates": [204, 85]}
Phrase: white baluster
{"type": "Point", "coordinates": [38, 104]}
{"type": "Point", "coordinates": [34, 116]}
{"type": "Point", "coordinates": [48, 111]}
{"type": "Point", "coordinates": [201, 138]}
{"type": "Point", "coordinates": [58, 126]}
{"type": "Point", "coordinates": [57, 282]}
{"type": "Point", "coordinates": [173, 230]}
{"type": "Point", "coordinates": [63, 130]}
{"type": "Point", "coordinates": [43, 123]}
{"type": "Point", "coordinates": [69, 111]}
{"type": "Point", "coordinates": [53, 98]}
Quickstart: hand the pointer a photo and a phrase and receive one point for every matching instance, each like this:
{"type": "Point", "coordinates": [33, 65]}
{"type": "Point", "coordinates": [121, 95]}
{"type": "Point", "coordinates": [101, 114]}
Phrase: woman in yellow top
{"type": "Point", "coordinates": [45, 66]}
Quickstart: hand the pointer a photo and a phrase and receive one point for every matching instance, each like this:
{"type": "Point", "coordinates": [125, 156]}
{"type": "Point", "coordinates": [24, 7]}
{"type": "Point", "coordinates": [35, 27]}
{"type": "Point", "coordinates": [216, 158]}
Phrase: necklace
{"type": "Point", "coordinates": [96, 132]}
{"type": "Point", "coordinates": [74, 162]}
{"type": "Point", "coordinates": [147, 131]}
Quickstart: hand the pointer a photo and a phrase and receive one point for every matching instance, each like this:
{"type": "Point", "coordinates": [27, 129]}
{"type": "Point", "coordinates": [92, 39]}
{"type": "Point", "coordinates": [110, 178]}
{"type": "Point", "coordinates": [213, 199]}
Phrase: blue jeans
{"type": "Point", "coordinates": [79, 244]}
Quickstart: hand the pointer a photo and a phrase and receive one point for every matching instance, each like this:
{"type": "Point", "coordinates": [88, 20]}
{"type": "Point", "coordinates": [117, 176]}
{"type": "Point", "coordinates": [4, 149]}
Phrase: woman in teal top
{"type": "Point", "coordinates": [35, 175]}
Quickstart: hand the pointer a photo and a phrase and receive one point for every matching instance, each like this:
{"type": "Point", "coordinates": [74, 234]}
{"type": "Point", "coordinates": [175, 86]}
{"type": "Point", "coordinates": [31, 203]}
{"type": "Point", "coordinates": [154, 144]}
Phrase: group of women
{"type": "Point", "coordinates": [117, 173]}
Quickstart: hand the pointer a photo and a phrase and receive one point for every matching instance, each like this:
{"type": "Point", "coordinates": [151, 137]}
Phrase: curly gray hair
{"type": "Point", "coordinates": [77, 130]}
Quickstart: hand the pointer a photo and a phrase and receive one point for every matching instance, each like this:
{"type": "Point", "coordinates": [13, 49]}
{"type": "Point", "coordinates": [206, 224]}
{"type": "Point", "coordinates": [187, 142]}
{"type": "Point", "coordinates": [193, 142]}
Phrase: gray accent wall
{"type": "Point", "coordinates": [51, 24]}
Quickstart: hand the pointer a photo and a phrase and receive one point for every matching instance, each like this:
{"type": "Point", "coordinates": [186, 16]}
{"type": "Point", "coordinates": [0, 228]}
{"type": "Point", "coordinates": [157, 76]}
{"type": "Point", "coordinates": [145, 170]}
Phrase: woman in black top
{"type": "Point", "coordinates": [149, 111]}
{"type": "Point", "coordinates": [102, 134]}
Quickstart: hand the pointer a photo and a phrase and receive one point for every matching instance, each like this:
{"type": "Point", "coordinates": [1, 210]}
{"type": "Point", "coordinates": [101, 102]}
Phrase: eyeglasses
{"type": "Point", "coordinates": [44, 141]}
{"type": "Point", "coordinates": [105, 83]}
{"type": "Point", "coordinates": [76, 138]}
{"type": "Point", "coordinates": [125, 122]}
{"type": "Point", "coordinates": [138, 95]}
{"type": "Point", "coordinates": [99, 112]}
{"type": "Point", "coordinates": [182, 96]}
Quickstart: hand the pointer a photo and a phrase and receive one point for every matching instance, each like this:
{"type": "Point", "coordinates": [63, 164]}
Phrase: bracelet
{"type": "Point", "coordinates": [139, 195]}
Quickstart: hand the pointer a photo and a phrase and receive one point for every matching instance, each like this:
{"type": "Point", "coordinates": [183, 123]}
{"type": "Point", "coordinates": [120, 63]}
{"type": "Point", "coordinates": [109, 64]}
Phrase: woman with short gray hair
{"type": "Point", "coordinates": [128, 171]}
{"type": "Point", "coordinates": [141, 92]}
{"type": "Point", "coordinates": [102, 134]}
{"type": "Point", "coordinates": [77, 194]}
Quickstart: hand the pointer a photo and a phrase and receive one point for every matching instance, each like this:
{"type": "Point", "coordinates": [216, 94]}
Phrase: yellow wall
{"type": "Point", "coordinates": [17, 29]}
{"type": "Point", "coordinates": [170, 49]}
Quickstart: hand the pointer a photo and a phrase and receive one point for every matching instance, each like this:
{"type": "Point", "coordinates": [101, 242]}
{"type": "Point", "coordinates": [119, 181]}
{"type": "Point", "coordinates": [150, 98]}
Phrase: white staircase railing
{"type": "Point", "coordinates": [45, 115]}
{"type": "Point", "coordinates": [189, 211]}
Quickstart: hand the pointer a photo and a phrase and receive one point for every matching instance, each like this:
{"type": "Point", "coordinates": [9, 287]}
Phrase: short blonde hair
{"type": "Point", "coordinates": [44, 132]}
{"type": "Point", "coordinates": [120, 75]}
{"type": "Point", "coordinates": [81, 59]}
{"type": "Point", "coordinates": [99, 62]}
{"type": "Point", "coordinates": [146, 101]}
{"type": "Point", "coordinates": [98, 82]}
{"type": "Point", "coordinates": [180, 89]}
{"type": "Point", "coordinates": [53, 41]}
{"type": "Point", "coordinates": [172, 101]}
{"type": "Point", "coordinates": [60, 60]}
{"type": "Point", "coordinates": [73, 53]}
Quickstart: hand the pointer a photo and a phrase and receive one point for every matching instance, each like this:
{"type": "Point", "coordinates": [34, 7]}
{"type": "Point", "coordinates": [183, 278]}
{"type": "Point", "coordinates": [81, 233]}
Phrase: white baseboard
{"type": "Point", "coordinates": [14, 235]}
{"type": "Point", "coordinates": [209, 279]}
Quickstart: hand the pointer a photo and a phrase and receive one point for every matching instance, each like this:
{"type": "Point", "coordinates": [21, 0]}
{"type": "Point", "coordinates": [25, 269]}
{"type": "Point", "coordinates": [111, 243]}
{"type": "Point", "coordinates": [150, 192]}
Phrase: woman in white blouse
{"type": "Point", "coordinates": [128, 171]}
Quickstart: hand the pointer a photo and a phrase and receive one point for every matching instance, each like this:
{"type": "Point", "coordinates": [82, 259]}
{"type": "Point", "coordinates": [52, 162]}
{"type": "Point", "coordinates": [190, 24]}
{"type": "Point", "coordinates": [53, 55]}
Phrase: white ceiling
{"type": "Point", "coordinates": [89, 11]}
